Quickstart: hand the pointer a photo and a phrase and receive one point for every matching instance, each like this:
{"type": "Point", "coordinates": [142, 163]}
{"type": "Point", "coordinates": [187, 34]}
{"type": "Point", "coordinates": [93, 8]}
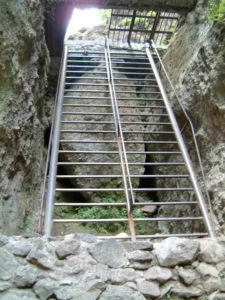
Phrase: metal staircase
{"type": "Point", "coordinates": [114, 120]}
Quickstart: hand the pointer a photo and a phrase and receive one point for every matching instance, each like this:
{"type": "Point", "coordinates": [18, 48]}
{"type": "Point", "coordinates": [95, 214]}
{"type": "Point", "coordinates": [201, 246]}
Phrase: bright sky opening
{"type": "Point", "coordinates": [87, 18]}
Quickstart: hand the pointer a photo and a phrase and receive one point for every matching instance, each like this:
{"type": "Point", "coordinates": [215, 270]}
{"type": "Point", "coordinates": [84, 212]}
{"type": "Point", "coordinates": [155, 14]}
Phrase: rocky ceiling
{"type": "Point", "coordinates": [130, 4]}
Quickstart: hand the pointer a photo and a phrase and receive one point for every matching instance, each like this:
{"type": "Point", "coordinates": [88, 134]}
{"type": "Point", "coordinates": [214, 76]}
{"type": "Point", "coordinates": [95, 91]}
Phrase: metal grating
{"type": "Point", "coordinates": [133, 26]}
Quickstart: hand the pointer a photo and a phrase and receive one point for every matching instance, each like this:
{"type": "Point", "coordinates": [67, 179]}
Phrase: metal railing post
{"type": "Point", "coordinates": [119, 124]}
{"type": "Point", "coordinates": [182, 147]}
{"type": "Point", "coordinates": [54, 150]}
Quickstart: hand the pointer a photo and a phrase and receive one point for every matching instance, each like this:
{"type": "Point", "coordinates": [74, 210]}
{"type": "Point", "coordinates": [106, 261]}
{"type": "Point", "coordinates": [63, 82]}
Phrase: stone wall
{"type": "Point", "coordinates": [82, 267]}
{"type": "Point", "coordinates": [23, 64]}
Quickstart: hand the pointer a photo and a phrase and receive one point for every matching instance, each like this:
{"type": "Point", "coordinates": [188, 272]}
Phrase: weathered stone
{"type": "Point", "coordinates": [67, 248]}
{"type": "Point", "coordinates": [187, 276]}
{"type": "Point", "coordinates": [187, 292]}
{"type": "Point", "coordinates": [78, 263]}
{"type": "Point", "coordinates": [149, 209]}
{"type": "Point", "coordinates": [15, 294]}
{"type": "Point", "coordinates": [94, 285]}
{"type": "Point", "coordinates": [99, 271]}
{"type": "Point", "coordinates": [110, 253]}
{"type": "Point", "coordinates": [140, 265]}
{"type": "Point", "coordinates": [175, 251]}
{"type": "Point", "coordinates": [221, 267]}
{"type": "Point", "coordinates": [45, 288]}
{"type": "Point", "coordinates": [85, 237]}
{"type": "Point", "coordinates": [132, 285]}
{"type": "Point", "coordinates": [166, 289]}
{"type": "Point", "coordinates": [25, 276]}
{"type": "Point", "coordinates": [79, 276]}
{"type": "Point", "coordinates": [139, 256]}
{"type": "Point", "coordinates": [159, 274]}
{"type": "Point", "coordinates": [72, 293]}
{"type": "Point", "coordinates": [139, 245]}
{"type": "Point", "coordinates": [23, 83]}
{"type": "Point", "coordinates": [3, 240]}
{"type": "Point", "coordinates": [41, 256]}
{"type": "Point", "coordinates": [115, 292]}
{"type": "Point", "coordinates": [206, 270]}
{"type": "Point", "coordinates": [149, 289]}
{"type": "Point", "coordinates": [217, 296]}
{"type": "Point", "coordinates": [74, 266]}
{"type": "Point", "coordinates": [4, 285]}
{"type": "Point", "coordinates": [20, 248]}
{"type": "Point", "coordinates": [211, 251]}
{"type": "Point", "coordinates": [66, 281]}
{"type": "Point", "coordinates": [222, 287]}
{"type": "Point", "coordinates": [8, 264]}
{"type": "Point", "coordinates": [212, 284]}
{"type": "Point", "coordinates": [122, 275]}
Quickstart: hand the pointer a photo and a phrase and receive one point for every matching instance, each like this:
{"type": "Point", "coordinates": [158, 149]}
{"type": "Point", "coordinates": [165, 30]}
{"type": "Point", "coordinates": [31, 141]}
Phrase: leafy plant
{"type": "Point", "coordinates": [105, 16]}
{"type": "Point", "coordinates": [216, 10]}
{"type": "Point", "coordinates": [104, 213]}
{"type": "Point", "coordinates": [222, 274]}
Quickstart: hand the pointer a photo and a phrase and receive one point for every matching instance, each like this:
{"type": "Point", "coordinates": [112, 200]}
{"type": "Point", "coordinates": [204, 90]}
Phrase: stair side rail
{"type": "Point", "coordinates": [54, 146]}
{"type": "Point", "coordinates": [181, 143]}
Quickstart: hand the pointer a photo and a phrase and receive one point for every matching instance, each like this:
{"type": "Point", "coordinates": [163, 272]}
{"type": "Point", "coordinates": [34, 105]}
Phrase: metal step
{"type": "Point", "coordinates": [156, 236]}
{"type": "Point", "coordinates": [91, 97]}
{"type": "Point", "coordinates": [76, 163]}
{"type": "Point", "coordinates": [86, 72]}
{"type": "Point", "coordinates": [85, 61]}
{"type": "Point", "coordinates": [171, 219]}
{"type": "Point", "coordinates": [120, 176]}
{"type": "Point", "coordinates": [85, 67]}
{"type": "Point", "coordinates": [81, 78]}
{"type": "Point", "coordinates": [122, 204]}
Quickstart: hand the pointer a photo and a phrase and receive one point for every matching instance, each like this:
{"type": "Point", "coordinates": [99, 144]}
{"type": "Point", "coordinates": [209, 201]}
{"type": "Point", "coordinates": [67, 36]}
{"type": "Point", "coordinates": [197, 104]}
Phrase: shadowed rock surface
{"type": "Point", "coordinates": [23, 65]}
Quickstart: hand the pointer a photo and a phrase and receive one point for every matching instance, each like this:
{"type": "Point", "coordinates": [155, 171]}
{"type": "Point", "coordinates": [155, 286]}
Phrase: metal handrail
{"type": "Point", "coordinates": [46, 174]}
{"type": "Point", "coordinates": [182, 147]}
{"type": "Point", "coordinates": [192, 130]}
{"type": "Point", "coordinates": [124, 162]}
{"type": "Point", "coordinates": [54, 149]}
{"type": "Point", "coordinates": [119, 123]}
{"type": "Point", "coordinates": [43, 190]}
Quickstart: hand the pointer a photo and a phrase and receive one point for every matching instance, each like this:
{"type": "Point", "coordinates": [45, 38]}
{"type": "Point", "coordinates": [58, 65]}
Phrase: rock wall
{"type": "Point", "coordinates": [23, 64]}
{"type": "Point", "coordinates": [195, 62]}
{"type": "Point", "coordinates": [82, 267]}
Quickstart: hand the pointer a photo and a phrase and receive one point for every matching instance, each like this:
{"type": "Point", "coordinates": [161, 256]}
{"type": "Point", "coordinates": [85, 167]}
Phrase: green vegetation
{"type": "Point", "coordinates": [222, 274]}
{"type": "Point", "coordinates": [216, 10]}
{"type": "Point", "coordinates": [29, 224]}
{"type": "Point", "coordinates": [170, 296]}
{"type": "Point", "coordinates": [105, 16]}
{"type": "Point", "coordinates": [105, 213]}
